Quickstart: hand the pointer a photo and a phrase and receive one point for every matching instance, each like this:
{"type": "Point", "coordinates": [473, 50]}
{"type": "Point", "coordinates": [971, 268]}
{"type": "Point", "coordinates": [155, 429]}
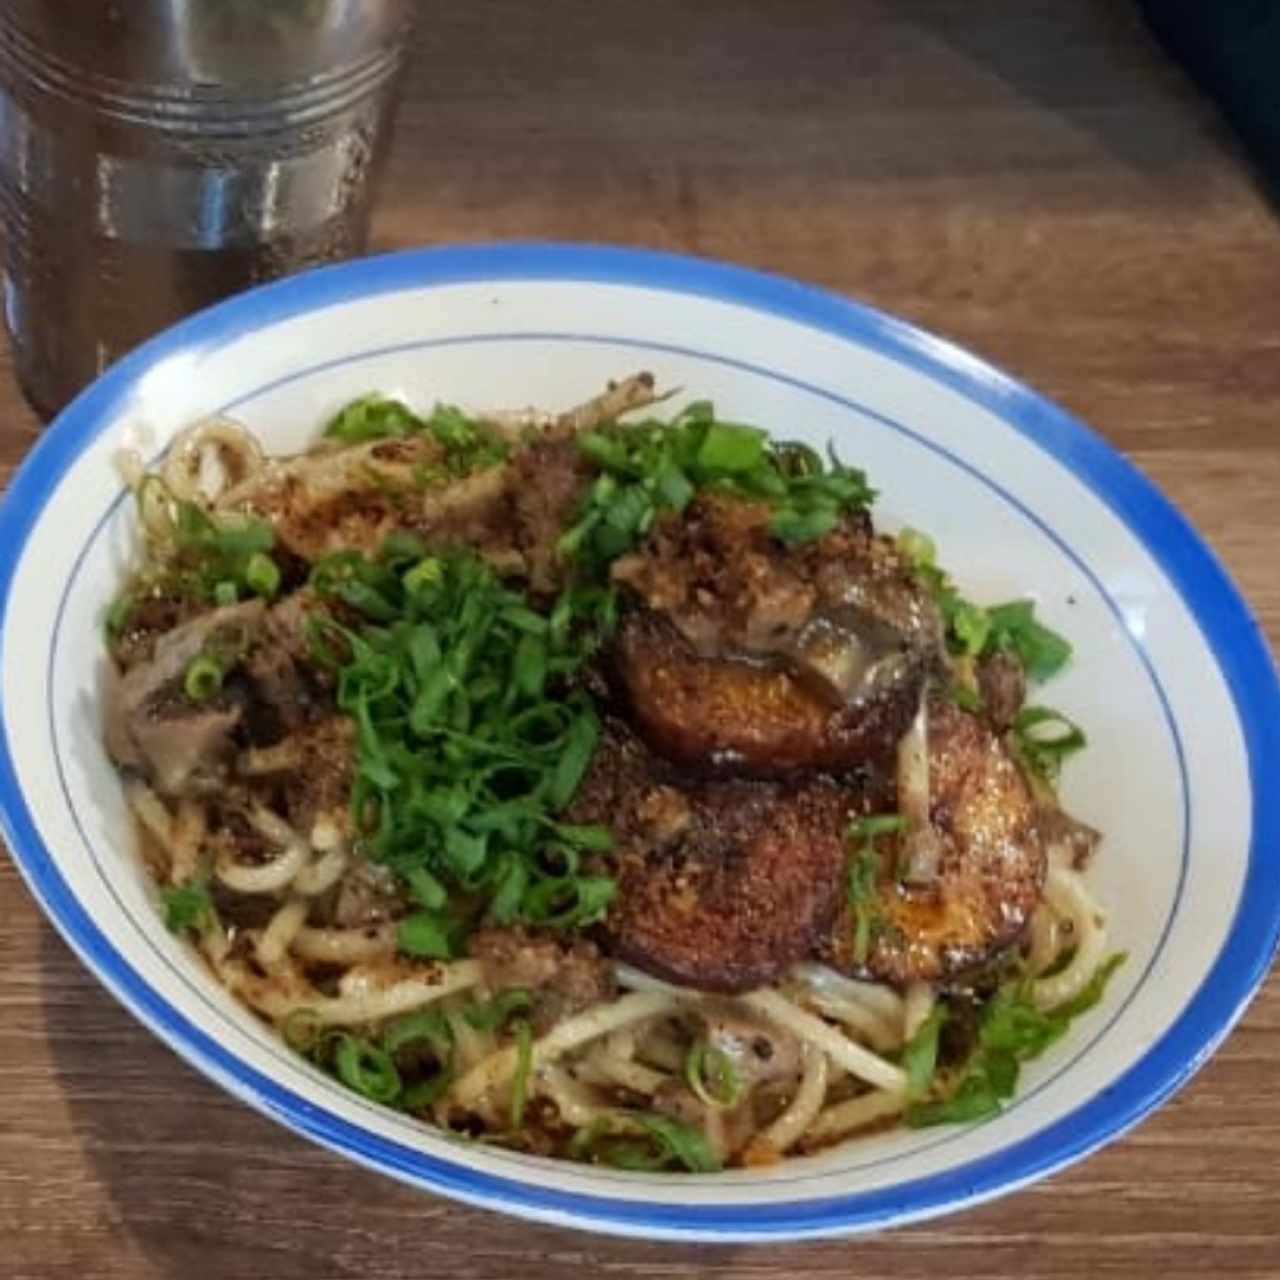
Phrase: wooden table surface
{"type": "Point", "coordinates": [1029, 177]}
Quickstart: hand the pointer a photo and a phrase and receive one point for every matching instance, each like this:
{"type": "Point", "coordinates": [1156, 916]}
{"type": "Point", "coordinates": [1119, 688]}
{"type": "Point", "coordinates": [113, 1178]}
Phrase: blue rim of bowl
{"type": "Point", "coordinates": [1229, 629]}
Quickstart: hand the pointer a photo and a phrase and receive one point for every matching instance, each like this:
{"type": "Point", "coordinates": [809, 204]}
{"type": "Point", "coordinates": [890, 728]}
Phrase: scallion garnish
{"type": "Point", "coordinates": [188, 906]}
{"type": "Point", "coordinates": [365, 1067]}
{"type": "Point", "coordinates": [469, 741]}
{"type": "Point", "coordinates": [652, 467]}
{"type": "Point", "coordinates": [262, 575]}
{"type": "Point", "coordinates": [1045, 739]}
{"type": "Point", "coordinates": [863, 876]}
{"type": "Point", "coordinates": [524, 1065]}
{"type": "Point", "coordinates": [203, 678]}
{"type": "Point", "coordinates": [644, 1140]}
{"type": "Point", "coordinates": [710, 1074]}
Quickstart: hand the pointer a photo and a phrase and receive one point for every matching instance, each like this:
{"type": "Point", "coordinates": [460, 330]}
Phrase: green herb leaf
{"type": "Point", "coordinates": [1045, 740]}
{"type": "Point", "coordinates": [373, 417]}
{"type": "Point", "coordinates": [493, 1013]}
{"type": "Point", "coordinates": [188, 906]}
{"type": "Point", "coordinates": [427, 934]}
{"type": "Point", "coordinates": [642, 1140]}
{"type": "Point", "coordinates": [1043, 652]}
{"type": "Point", "coordinates": [1012, 1031]}
{"type": "Point", "coordinates": [920, 1055]}
{"type": "Point", "coordinates": [710, 1074]}
{"type": "Point", "coordinates": [368, 1069]}
{"type": "Point", "coordinates": [520, 1080]}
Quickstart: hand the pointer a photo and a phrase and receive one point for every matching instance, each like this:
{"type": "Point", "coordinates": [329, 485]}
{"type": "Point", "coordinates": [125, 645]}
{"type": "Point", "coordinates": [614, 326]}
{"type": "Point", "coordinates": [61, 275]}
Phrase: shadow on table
{"type": "Point", "coordinates": [209, 1190]}
{"type": "Point", "coordinates": [1094, 63]}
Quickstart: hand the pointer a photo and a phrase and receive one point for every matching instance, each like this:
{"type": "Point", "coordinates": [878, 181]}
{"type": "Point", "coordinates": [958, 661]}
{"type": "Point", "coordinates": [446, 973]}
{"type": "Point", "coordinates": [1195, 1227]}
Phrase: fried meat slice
{"type": "Point", "coordinates": [990, 872]}
{"type": "Point", "coordinates": [722, 886]}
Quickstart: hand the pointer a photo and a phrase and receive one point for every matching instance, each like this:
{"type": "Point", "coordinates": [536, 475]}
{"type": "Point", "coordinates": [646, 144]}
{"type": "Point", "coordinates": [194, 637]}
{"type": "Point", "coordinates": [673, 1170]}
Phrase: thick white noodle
{"type": "Point", "coordinates": [190, 825]}
{"type": "Point", "coordinates": [321, 875]}
{"type": "Point", "coordinates": [883, 999]}
{"type": "Point", "coordinates": [267, 877]}
{"type": "Point", "coordinates": [917, 1005]}
{"type": "Point", "coordinates": [1044, 939]}
{"type": "Point", "coordinates": [470, 1045]}
{"type": "Point", "coordinates": [575, 1102]}
{"type": "Point", "coordinates": [845, 1117]}
{"type": "Point", "coordinates": [787, 1129]}
{"type": "Point", "coordinates": [361, 1003]}
{"type": "Point", "coordinates": [659, 1048]}
{"type": "Point", "coordinates": [150, 810]}
{"type": "Point", "coordinates": [344, 946]}
{"type": "Point", "coordinates": [210, 457]}
{"type": "Point", "coordinates": [1066, 894]}
{"type": "Point", "coordinates": [843, 1052]}
{"type": "Point", "coordinates": [276, 939]}
{"type": "Point", "coordinates": [862, 1020]}
{"type": "Point", "coordinates": [498, 1068]}
{"type": "Point", "coordinates": [612, 1061]}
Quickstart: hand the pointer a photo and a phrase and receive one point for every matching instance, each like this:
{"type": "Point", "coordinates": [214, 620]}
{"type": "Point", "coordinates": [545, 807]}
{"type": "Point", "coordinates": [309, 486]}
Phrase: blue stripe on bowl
{"type": "Point", "coordinates": [1224, 620]}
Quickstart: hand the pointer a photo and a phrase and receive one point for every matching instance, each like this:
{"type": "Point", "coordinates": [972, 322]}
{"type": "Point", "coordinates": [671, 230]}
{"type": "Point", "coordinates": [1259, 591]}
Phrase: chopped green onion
{"type": "Point", "coordinates": [1045, 739]}
{"type": "Point", "coordinates": [863, 876]}
{"type": "Point", "coordinates": [520, 1081]}
{"type": "Point", "coordinates": [188, 906]}
{"type": "Point", "coordinates": [711, 1075]}
{"type": "Point", "coordinates": [792, 525]}
{"type": "Point", "coordinates": [203, 678]}
{"type": "Point", "coordinates": [425, 574]}
{"type": "Point", "coordinates": [729, 448]}
{"type": "Point", "coordinates": [877, 824]}
{"type": "Point", "coordinates": [373, 417]}
{"type": "Point", "coordinates": [1012, 1030]}
{"type": "Point", "coordinates": [493, 1013]}
{"type": "Point", "coordinates": [118, 615]}
{"type": "Point", "coordinates": [302, 1030]}
{"type": "Point", "coordinates": [226, 593]}
{"type": "Point", "coordinates": [262, 575]}
{"type": "Point", "coordinates": [368, 1069]}
{"type": "Point", "coordinates": [918, 547]}
{"type": "Point", "coordinates": [427, 1026]}
{"type": "Point", "coordinates": [920, 1054]}
{"type": "Point", "coordinates": [426, 934]}
{"type": "Point", "coordinates": [1042, 652]}
{"type": "Point", "coordinates": [643, 1140]}
{"type": "Point", "coordinates": [401, 546]}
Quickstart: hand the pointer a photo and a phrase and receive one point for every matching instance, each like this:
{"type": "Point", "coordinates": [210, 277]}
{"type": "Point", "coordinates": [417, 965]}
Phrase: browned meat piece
{"type": "Point", "coordinates": [312, 770]}
{"type": "Point", "coordinates": [991, 871]}
{"type": "Point", "coordinates": [1067, 837]}
{"type": "Point", "coordinates": [351, 498]}
{"type": "Point", "coordinates": [730, 587]}
{"type": "Point", "coordinates": [149, 619]}
{"type": "Point", "coordinates": [547, 484]}
{"type": "Point", "coordinates": [746, 716]}
{"type": "Point", "coordinates": [289, 688]}
{"type": "Point", "coordinates": [754, 657]}
{"type": "Point", "coordinates": [564, 975]}
{"type": "Point", "coordinates": [367, 895]}
{"type": "Point", "coordinates": [724, 582]}
{"type": "Point", "coordinates": [152, 726]}
{"type": "Point", "coordinates": [1002, 684]}
{"type": "Point", "coordinates": [723, 885]}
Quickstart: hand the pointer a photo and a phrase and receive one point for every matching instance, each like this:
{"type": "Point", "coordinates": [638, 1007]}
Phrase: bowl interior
{"type": "Point", "coordinates": [1017, 507]}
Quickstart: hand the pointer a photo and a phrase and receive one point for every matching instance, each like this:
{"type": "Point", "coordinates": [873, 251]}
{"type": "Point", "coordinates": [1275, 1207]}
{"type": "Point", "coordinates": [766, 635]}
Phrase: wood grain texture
{"type": "Point", "coordinates": [1028, 177]}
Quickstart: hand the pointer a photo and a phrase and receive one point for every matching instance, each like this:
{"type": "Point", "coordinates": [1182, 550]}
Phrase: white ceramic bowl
{"type": "Point", "coordinates": [1171, 679]}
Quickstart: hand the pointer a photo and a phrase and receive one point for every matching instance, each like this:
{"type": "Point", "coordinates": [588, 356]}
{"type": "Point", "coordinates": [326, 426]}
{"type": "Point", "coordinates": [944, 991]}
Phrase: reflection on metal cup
{"type": "Point", "coordinates": [157, 155]}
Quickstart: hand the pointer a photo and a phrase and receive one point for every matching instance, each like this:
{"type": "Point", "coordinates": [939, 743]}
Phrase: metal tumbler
{"type": "Point", "coordinates": [157, 155]}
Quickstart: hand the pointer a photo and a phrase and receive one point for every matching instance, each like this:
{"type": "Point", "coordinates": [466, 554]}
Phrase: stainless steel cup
{"type": "Point", "coordinates": [156, 155]}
